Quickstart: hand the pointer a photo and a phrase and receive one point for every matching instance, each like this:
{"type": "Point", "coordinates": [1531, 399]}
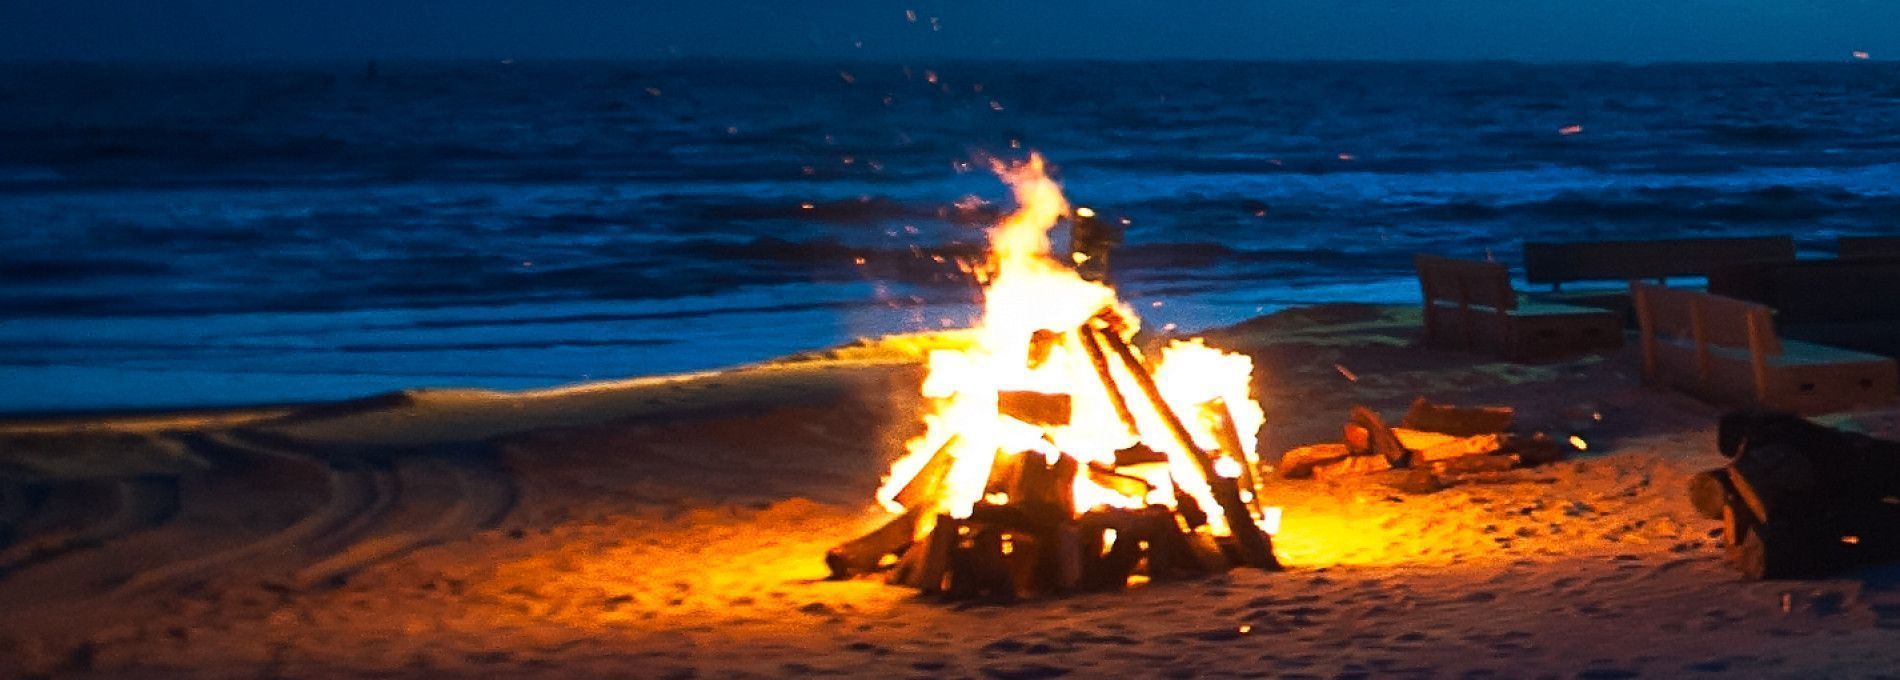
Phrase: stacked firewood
{"type": "Point", "coordinates": [1436, 444]}
{"type": "Point", "coordinates": [1027, 537]}
{"type": "Point", "coordinates": [1797, 499]}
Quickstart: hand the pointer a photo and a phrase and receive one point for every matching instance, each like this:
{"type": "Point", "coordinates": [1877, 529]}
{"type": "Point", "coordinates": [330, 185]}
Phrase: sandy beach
{"type": "Point", "coordinates": [674, 527]}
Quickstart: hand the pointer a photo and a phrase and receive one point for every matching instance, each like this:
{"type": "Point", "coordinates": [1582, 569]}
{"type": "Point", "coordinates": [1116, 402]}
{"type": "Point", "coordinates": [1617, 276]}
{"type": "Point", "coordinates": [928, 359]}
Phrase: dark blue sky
{"type": "Point", "coordinates": [1530, 30]}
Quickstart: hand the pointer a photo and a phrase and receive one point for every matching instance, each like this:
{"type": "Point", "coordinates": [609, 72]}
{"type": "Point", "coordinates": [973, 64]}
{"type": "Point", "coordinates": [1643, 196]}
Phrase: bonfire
{"type": "Point", "coordinates": [1057, 455]}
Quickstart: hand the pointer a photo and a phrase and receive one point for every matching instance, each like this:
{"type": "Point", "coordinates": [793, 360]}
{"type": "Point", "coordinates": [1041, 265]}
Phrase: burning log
{"type": "Point", "coordinates": [922, 487]}
{"type": "Point", "coordinates": [1035, 408]}
{"type": "Point", "coordinates": [923, 566]}
{"type": "Point", "coordinates": [1222, 423]}
{"type": "Point", "coordinates": [1091, 344]}
{"type": "Point", "coordinates": [1255, 547]}
{"type": "Point", "coordinates": [1028, 480]}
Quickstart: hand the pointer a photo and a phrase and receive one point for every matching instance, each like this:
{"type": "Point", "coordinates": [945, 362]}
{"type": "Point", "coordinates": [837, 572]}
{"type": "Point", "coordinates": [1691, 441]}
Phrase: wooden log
{"type": "Point", "coordinates": [1382, 442]}
{"type": "Point", "coordinates": [1137, 455]}
{"type": "Point", "coordinates": [1431, 447]}
{"type": "Point", "coordinates": [1067, 555]}
{"type": "Point", "coordinates": [1299, 463]}
{"type": "Point", "coordinates": [922, 488]}
{"type": "Point", "coordinates": [1774, 479]}
{"type": "Point", "coordinates": [1091, 344]}
{"type": "Point", "coordinates": [1006, 471]}
{"type": "Point", "coordinates": [1351, 466]}
{"type": "Point", "coordinates": [924, 565]}
{"type": "Point", "coordinates": [1737, 522]}
{"type": "Point", "coordinates": [1045, 490]}
{"type": "Point", "coordinates": [1536, 449]}
{"type": "Point", "coordinates": [1256, 547]}
{"type": "Point", "coordinates": [866, 554]}
{"type": "Point", "coordinates": [978, 568]}
{"type": "Point", "coordinates": [1026, 556]}
{"type": "Point", "coordinates": [1221, 418]}
{"type": "Point", "coordinates": [1709, 491]}
{"type": "Point", "coordinates": [1109, 559]}
{"type": "Point", "coordinates": [1459, 421]}
{"type": "Point", "coordinates": [1035, 408]}
{"type": "Point", "coordinates": [1126, 485]}
{"type": "Point", "coordinates": [1451, 469]}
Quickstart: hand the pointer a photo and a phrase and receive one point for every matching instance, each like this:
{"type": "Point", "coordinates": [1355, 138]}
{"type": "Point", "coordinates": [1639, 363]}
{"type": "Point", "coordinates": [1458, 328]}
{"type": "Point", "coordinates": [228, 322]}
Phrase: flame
{"type": "Point", "coordinates": [1033, 304]}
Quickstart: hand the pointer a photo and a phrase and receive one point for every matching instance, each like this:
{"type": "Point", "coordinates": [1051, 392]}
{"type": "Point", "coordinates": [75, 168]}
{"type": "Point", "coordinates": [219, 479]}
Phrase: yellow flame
{"type": "Point", "coordinates": [1032, 305]}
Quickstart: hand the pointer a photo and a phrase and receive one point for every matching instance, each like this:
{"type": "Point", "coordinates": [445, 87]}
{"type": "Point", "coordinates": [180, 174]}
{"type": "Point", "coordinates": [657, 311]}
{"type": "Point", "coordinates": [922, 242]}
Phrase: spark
{"type": "Point", "coordinates": [654, 91]}
{"type": "Point", "coordinates": [910, 15]}
{"type": "Point", "coordinates": [847, 78]}
{"type": "Point", "coordinates": [1862, 55]}
{"type": "Point", "coordinates": [1568, 130]}
{"type": "Point", "coordinates": [1347, 372]}
{"type": "Point", "coordinates": [1578, 442]}
{"type": "Point", "coordinates": [1346, 156]}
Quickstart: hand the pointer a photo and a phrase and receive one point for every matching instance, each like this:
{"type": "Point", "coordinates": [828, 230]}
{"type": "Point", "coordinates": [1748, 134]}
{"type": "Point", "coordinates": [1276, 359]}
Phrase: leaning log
{"type": "Point", "coordinates": [867, 553]}
{"type": "Point", "coordinates": [1091, 344]}
{"type": "Point", "coordinates": [921, 490]}
{"type": "Point", "coordinates": [1222, 420]}
{"type": "Point", "coordinates": [1255, 546]}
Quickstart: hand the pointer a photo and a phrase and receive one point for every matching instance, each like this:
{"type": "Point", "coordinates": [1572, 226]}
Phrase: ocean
{"type": "Point", "coordinates": [176, 236]}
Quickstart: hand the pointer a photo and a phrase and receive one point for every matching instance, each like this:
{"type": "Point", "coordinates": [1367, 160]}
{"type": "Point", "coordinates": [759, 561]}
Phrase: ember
{"type": "Point", "coordinates": [1057, 455]}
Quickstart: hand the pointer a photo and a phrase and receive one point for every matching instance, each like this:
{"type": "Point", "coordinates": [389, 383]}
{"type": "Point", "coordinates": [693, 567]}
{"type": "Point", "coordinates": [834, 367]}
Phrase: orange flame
{"type": "Point", "coordinates": [1030, 294]}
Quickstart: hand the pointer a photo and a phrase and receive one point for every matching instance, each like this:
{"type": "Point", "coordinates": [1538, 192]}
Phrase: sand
{"type": "Point", "coordinates": [674, 527]}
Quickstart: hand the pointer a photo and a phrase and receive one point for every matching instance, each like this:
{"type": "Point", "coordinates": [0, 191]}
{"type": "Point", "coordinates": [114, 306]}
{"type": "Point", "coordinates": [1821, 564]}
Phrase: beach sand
{"type": "Point", "coordinates": [674, 527]}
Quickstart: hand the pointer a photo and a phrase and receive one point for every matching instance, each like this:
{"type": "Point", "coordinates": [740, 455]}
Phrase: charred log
{"type": "Point", "coordinates": [867, 553]}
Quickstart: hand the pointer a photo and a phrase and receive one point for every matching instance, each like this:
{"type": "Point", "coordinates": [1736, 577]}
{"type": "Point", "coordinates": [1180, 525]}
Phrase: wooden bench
{"type": "Point", "coordinates": [1868, 246]}
{"type": "Point", "coordinates": [1470, 305]}
{"type": "Point", "coordinates": [1725, 350]}
{"type": "Point", "coordinates": [1848, 303]}
{"type": "Point", "coordinates": [1560, 263]}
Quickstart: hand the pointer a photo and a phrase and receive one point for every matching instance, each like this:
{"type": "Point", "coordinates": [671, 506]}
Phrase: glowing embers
{"type": "Point", "coordinates": [1056, 456]}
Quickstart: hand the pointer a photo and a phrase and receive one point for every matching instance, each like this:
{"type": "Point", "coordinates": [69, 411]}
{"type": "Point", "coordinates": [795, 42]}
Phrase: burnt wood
{"type": "Point", "coordinates": [865, 554]}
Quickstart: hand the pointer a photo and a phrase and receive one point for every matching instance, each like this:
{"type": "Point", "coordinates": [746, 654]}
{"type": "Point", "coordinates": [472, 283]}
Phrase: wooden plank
{"type": "Point", "coordinates": [1556, 263]}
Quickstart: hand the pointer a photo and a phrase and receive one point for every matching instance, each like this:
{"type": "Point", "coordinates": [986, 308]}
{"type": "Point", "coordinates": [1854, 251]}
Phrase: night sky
{"type": "Point", "coordinates": [1527, 30]}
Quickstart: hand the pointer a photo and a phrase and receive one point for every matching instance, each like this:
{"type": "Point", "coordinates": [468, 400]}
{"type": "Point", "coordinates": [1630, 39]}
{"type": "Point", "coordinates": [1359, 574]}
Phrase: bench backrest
{"type": "Point", "coordinates": [1557, 263]}
{"type": "Point", "coordinates": [1703, 319]}
{"type": "Point", "coordinates": [1869, 246]}
{"type": "Point", "coordinates": [1817, 291]}
{"type": "Point", "coordinates": [1465, 282]}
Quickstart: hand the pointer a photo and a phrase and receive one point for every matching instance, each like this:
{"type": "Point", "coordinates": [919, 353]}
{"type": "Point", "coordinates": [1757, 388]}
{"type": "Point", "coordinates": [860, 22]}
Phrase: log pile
{"type": "Point", "coordinates": [1797, 499]}
{"type": "Point", "coordinates": [1435, 445]}
{"type": "Point", "coordinates": [1028, 537]}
